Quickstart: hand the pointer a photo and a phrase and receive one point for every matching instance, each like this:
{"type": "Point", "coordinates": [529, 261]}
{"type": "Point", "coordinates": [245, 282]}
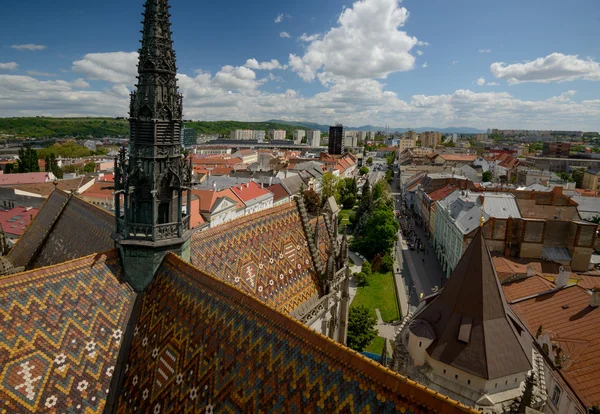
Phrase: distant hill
{"type": "Point", "coordinates": [448, 130]}
{"type": "Point", "coordinates": [43, 127]}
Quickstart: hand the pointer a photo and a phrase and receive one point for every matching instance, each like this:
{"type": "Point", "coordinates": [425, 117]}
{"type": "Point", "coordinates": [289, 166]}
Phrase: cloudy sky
{"type": "Point", "coordinates": [412, 63]}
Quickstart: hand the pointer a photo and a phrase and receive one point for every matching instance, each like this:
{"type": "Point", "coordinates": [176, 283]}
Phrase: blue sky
{"type": "Point", "coordinates": [509, 64]}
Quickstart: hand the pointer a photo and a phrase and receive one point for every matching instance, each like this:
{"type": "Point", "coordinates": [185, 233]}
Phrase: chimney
{"type": "Point", "coordinates": [563, 277]}
{"type": "Point", "coordinates": [530, 271]}
{"type": "Point", "coordinates": [595, 299]}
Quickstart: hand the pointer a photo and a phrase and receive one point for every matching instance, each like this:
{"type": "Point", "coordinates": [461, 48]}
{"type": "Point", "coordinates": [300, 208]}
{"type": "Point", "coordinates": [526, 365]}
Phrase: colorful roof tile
{"type": "Point", "coordinates": [60, 335]}
{"type": "Point", "coordinates": [65, 228]}
{"type": "Point", "coordinates": [323, 241]}
{"type": "Point", "coordinates": [201, 345]}
{"type": "Point", "coordinates": [265, 254]}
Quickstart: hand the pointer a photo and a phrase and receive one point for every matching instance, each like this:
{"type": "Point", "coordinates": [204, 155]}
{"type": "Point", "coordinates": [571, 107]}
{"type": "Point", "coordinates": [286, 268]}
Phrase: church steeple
{"type": "Point", "coordinates": [154, 174]}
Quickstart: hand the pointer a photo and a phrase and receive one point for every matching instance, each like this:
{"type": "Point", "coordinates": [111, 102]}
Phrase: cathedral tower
{"type": "Point", "coordinates": [154, 175]}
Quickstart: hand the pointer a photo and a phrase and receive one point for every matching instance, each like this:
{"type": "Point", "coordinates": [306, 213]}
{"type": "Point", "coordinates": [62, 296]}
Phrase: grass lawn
{"type": "Point", "coordinates": [345, 215]}
{"type": "Point", "coordinates": [380, 294]}
{"type": "Point", "coordinates": [376, 346]}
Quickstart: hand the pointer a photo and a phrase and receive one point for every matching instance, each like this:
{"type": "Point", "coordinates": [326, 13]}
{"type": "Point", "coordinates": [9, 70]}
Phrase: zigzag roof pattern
{"type": "Point", "coordinates": [60, 334]}
{"type": "Point", "coordinates": [201, 345]}
{"type": "Point", "coordinates": [56, 235]}
{"type": "Point", "coordinates": [265, 254]}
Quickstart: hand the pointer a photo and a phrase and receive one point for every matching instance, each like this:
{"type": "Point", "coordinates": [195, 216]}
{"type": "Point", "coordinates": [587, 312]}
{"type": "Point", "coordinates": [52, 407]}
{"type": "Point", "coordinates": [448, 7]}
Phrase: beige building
{"type": "Point", "coordinates": [277, 134]}
{"type": "Point", "coordinates": [247, 134]}
{"type": "Point", "coordinates": [411, 135]}
{"type": "Point", "coordinates": [431, 139]}
{"type": "Point", "coordinates": [591, 180]}
{"type": "Point", "coordinates": [299, 134]}
{"type": "Point", "coordinates": [406, 143]}
{"type": "Point", "coordinates": [313, 138]}
{"type": "Point", "coordinates": [481, 137]}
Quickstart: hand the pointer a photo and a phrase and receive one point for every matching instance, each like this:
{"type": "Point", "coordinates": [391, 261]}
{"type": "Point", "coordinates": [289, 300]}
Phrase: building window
{"type": "Point", "coordinates": [444, 372]}
{"type": "Point", "coordinates": [556, 395]}
{"type": "Point", "coordinates": [456, 376]}
{"type": "Point", "coordinates": [419, 344]}
{"type": "Point", "coordinates": [469, 382]}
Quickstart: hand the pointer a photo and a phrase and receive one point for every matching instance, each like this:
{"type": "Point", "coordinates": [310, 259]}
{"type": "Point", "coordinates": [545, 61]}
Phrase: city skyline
{"type": "Point", "coordinates": [377, 62]}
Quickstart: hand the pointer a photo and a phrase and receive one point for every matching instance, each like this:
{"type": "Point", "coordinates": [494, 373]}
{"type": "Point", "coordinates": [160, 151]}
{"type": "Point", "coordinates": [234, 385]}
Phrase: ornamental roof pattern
{"type": "Point", "coordinates": [60, 334]}
{"type": "Point", "coordinates": [264, 254]}
{"type": "Point", "coordinates": [201, 345]}
{"type": "Point", "coordinates": [57, 232]}
{"type": "Point", "coordinates": [323, 239]}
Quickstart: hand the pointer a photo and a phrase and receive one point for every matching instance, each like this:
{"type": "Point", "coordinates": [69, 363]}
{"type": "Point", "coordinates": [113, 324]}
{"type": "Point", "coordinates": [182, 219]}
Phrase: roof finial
{"type": "Point", "coordinates": [482, 219]}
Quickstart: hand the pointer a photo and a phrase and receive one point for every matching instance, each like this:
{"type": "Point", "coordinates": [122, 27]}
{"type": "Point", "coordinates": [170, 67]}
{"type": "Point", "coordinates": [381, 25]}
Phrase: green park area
{"type": "Point", "coordinates": [379, 294]}
{"type": "Point", "coordinates": [376, 346]}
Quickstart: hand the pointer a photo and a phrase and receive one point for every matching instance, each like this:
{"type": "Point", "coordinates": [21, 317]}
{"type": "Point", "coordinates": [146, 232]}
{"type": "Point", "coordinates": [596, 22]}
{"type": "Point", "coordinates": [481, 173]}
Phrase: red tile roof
{"type": "Point", "coordinates": [16, 220]}
{"type": "Point", "coordinates": [526, 287]}
{"type": "Point", "coordinates": [441, 193]}
{"type": "Point", "coordinates": [209, 197]}
{"type": "Point", "coordinates": [278, 191]}
{"type": "Point", "coordinates": [249, 191]}
{"type": "Point", "coordinates": [24, 178]}
{"type": "Point", "coordinates": [566, 315]}
{"type": "Point", "coordinates": [99, 190]}
{"type": "Point", "coordinates": [508, 267]}
{"type": "Point", "coordinates": [459, 157]}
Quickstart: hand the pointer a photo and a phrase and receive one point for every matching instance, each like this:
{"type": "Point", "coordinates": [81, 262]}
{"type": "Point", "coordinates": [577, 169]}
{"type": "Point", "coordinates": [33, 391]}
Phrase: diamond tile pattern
{"type": "Point", "coordinates": [265, 254]}
{"type": "Point", "coordinates": [323, 239]}
{"type": "Point", "coordinates": [203, 346]}
{"type": "Point", "coordinates": [60, 333]}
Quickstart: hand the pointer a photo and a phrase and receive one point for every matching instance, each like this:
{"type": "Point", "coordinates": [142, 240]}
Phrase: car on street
{"type": "Point", "coordinates": [411, 246]}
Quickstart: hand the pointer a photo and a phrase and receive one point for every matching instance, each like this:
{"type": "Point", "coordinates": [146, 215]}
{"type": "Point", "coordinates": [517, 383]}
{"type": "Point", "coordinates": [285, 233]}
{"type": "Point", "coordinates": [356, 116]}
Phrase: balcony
{"type": "Point", "coordinates": [148, 232]}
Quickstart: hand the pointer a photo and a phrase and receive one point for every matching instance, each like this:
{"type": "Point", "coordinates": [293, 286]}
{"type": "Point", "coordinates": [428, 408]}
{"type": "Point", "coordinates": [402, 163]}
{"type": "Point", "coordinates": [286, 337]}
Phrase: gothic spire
{"type": "Point", "coordinates": [156, 95]}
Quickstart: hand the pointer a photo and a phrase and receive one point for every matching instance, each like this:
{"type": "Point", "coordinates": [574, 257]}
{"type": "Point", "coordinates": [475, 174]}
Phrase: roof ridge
{"type": "Point", "coordinates": [59, 266]}
{"type": "Point", "coordinates": [378, 369]}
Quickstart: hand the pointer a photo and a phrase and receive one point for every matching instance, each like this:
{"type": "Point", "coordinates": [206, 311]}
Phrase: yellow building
{"type": "Point", "coordinates": [406, 143]}
{"type": "Point", "coordinates": [591, 180]}
{"type": "Point", "coordinates": [431, 139]}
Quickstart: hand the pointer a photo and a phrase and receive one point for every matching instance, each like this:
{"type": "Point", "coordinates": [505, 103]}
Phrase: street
{"type": "Point", "coordinates": [420, 271]}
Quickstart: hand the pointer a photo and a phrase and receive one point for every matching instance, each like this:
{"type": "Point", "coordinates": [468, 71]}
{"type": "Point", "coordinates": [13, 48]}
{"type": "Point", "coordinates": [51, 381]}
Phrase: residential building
{"type": "Point", "coordinates": [406, 143]}
{"type": "Point", "coordinates": [558, 165]}
{"type": "Point", "coordinates": [362, 136]}
{"type": "Point", "coordinates": [314, 138]}
{"type": "Point", "coordinates": [527, 177]}
{"type": "Point", "coordinates": [299, 135]}
{"type": "Point", "coordinates": [247, 156]}
{"type": "Point", "coordinates": [411, 135]}
{"type": "Point", "coordinates": [455, 160]}
{"type": "Point", "coordinates": [591, 179]}
{"type": "Point", "coordinates": [430, 139]}
{"type": "Point", "coordinates": [351, 140]}
{"type": "Point", "coordinates": [254, 197]}
{"type": "Point", "coordinates": [556, 149]}
{"type": "Point", "coordinates": [248, 134]}
{"type": "Point", "coordinates": [280, 194]}
{"type": "Point", "coordinates": [481, 137]}
{"type": "Point", "coordinates": [336, 144]}
{"type": "Point", "coordinates": [459, 215]}
{"type": "Point", "coordinates": [462, 341]}
{"type": "Point", "coordinates": [277, 134]}
{"type": "Point", "coordinates": [371, 135]}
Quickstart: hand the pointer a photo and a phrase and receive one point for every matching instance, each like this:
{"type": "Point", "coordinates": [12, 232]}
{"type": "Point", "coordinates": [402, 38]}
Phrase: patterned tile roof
{"type": "Point", "coordinates": [265, 254]}
{"type": "Point", "coordinates": [65, 228]}
{"type": "Point", "coordinates": [201, 345]}
{"type": "Point", "coordinates": [323, 239]}
{"type": "Point", "coordinates": [60, 334]}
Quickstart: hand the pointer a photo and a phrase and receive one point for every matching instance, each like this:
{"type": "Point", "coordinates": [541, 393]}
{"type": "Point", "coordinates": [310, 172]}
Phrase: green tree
{"type": "Point", "coordinates": [577, 176]}
{"type": "Point", "coordinates": [361, 328]}
{"type": "Point", "coordinates": [487, 177]}
{"type": "Point", "coordinates": [28, 160]}
{"type": "Point", "coordinates": [90, 167]}
{"type": "Point", "coordinates": [361, 279]}
{"type": "Point", "coordinates": [363, 170]}
{"type": "Point", "coordinates": [565, 176]}
{"type": "Point", "coordinates": [370, 161]}
{"type": "Point", "coordinates": [329, 185]}
{"type": "Point", "coordinates": [387, 263]}
{"type": "Point", "coordinates": [366, 269]}
{"type": "Point", "coordinates": [536, 146]}
{"type": "Point", "coordinates": [9, 168]}
{"type": "Point", "coordinates": [312, 200]}
{"type": "Point", "coordinates": [450, 144]}
{"type": "Point", "coordinates": [348, 201]}
{"type": "Point", "coordinates": [364, 210]}
{"type": "Point", "coordinates": [379, 235]}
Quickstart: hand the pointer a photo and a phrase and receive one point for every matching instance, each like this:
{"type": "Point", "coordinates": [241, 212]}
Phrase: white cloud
{"type": "Point", "coordinates": [555, 67]}
{"type": "Point", "coordinates": [29, 46]}
{"type": "Point", "coordinates": [492, 84]}
{"type": "Point", "coordinates": [425, 64]}
{"type": "Point", "coordinates": [309, 38]}
{"type": "Point", "coordinates": [235, 92]}
{"type": "Point", "coordinates": [454, 62]}
{"type": "Point", "coordinates": [114, 67]}
{"type": "Point", "coordinates": [366, 33]}
{"type": "Point", "coordinates": [281, 16]}
{"type": "Point", "coordinates": [485, 50]}
{"type": "Point", "coordinates": [420, 53]}
{"type": "Point", "coordinates": [285, 35]}
{"type": "Point", "coordinates": [273, 64]}
{"type": "Point", "coordinates": [9, 66]}
{"type": "Point", "coordinates": [480, 81]}
{"type": "Point", "coordinates": [37, 73]}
